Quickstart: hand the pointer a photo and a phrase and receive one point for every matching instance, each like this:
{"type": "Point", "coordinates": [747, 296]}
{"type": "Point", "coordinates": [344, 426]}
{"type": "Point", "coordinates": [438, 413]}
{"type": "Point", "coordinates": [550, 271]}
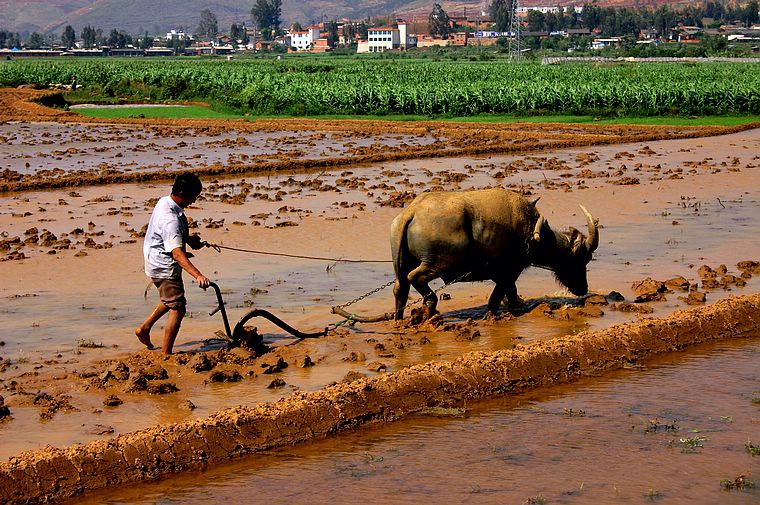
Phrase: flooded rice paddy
{"type": "Point", "coordinates": [72, 293]}
{"type": "Point", "coordinates": [676, 431]}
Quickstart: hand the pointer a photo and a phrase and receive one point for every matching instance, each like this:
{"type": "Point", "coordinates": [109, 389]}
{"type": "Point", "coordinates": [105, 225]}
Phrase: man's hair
{"type": "Point", "coordinates": [187, 184]}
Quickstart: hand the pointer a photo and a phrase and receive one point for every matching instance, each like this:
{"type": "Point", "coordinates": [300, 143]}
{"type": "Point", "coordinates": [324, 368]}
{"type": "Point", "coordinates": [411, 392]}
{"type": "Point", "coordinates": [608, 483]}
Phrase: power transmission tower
{"type": "Point", "coordinates": [515, 40]}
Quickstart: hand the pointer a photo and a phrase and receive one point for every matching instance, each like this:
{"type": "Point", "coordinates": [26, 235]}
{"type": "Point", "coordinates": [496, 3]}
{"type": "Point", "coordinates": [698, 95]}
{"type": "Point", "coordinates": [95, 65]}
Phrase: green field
{"type": "Point", "coordinates": [182, 111]}
{"type": "Point", "coordinates": [191, 111]}
{"type": "Point", "coordinates": [422, 88]}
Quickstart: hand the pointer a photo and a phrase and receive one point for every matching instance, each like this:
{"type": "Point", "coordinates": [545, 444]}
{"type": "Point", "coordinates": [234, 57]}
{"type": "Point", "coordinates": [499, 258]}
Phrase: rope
{"type": "Point", "coordinates": [350, 320]}
{"type": "Point", "coordinates": [218, 247]}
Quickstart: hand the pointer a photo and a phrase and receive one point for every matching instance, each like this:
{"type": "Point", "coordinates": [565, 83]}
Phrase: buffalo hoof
{"type": "Point", "coordinates": [421, 314]}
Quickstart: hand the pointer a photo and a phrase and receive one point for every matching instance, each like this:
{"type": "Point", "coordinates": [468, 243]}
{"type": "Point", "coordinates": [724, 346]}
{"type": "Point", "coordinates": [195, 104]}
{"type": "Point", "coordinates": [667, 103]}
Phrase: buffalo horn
{"type": "Point", "coordinates": [537, 229]}
{"type": "Point", "coordinates": [592, 242]}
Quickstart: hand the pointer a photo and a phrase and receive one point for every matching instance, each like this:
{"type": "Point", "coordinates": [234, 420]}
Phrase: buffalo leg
{"type": "Point", "coordinates": [401, 294]}
{"type": "Point", "coordinates": [513, 300]}
{"type": "Point", "coordinates": [419, 278]}
{"type": "Point", "coordinates": [494, 301]}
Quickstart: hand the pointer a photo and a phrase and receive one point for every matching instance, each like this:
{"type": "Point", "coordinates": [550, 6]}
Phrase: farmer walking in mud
{"type": "Point", "coordinates": [165, 258]}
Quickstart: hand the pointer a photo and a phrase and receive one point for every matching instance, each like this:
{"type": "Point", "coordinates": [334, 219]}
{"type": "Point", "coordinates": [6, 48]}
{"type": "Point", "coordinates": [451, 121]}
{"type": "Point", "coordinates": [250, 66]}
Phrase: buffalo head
{"type": "Point", "coordinates": [566, 253]}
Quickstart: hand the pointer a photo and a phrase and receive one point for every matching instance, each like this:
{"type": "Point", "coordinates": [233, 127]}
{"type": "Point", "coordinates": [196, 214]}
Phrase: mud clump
{"type": "Point", "coordinates": [5, 412]}
{"type": "Point", "coordinates": [279, 366]}
{"type": "Point", "coordinates": [695, 298]}
{"type": "Point", "coordinates": [721, 278]}
{"type": "Point", "coordinates": [137, 382]}
{"type": "Point", "coordinates": [397, 199]}
{"type": "Point", "coordinates": [678, 283]}
{"type": "Point", "coordinates": [352, 376]}
{"type": "Point", "coordinates": [161, 388]}
{"type": "Point", "coordinates": [200, 363]}
{"type": "Point", "coordinates": [749, 268]}
{"type": "Point", "coordinates": [649, 290]}
{"type": "Point", "coordinates": [277, 383]}
{"type": "Point", "coordinates": [49, 405]}
{"type": "Point", "coordinates": [221, 376]}
{"type": "Point", "coordinates": [112, 401]}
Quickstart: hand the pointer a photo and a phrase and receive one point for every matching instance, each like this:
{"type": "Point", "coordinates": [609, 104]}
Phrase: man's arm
{"type": "Point", "coordinates": [180, 257]}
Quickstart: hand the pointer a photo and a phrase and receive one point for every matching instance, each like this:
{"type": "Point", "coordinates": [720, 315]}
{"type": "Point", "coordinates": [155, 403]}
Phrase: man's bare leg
{"type": "Point", "coordinates": [172, 328]}
{"type": "Point", "coordinates": [143, 332]}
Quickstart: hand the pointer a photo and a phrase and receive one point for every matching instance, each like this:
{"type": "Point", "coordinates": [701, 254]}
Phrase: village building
{"type": "Point", "coordinates": [178, 35]}
{"type": "Point", "coordinates": [545, 9]}
{"type": "Point", "coordinates": [159, 51]}
{"type": "Point", "coordinates": [302, 40]}
{"type": "Point", "coordinates": [602, 43]}
{"type": "Point", "coordinates": [455, 39]}
{"type": "Point", "coordinates": [386, 39]}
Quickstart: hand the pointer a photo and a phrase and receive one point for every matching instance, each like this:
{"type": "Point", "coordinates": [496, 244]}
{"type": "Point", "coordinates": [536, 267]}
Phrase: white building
{"type": "Point", "coordinates": [385, 39]}
{"type": "Point", "coordinates": [544, 9]}
{"type": "Point", "coordinates": [606, 42]}
{"type": "Point", "coordinates": [303, 40]}
{"type": "Point", "coordinates": [177, 34]}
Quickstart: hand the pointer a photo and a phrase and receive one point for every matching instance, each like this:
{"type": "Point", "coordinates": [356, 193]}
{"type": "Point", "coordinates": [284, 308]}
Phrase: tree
{"type": "Point", "coordinates": [439, 22]}
{"type": "Point", "coordinates": [208, 26]}
{"type": "Point", "coordinates": [331, 28]}
{"type": "Point", "coordinates": [751, 13]}
{"type": "Point", "coordinates": [501, 14]}
{"type": "Point", "coordinates": [119, 39]}
{"type": "Point", "coordinates": [69, 37]}
{"type": "Point", "coordinates": [146, 42]}
{"type": "Point", "coordinates": [297, 27]}
{"type": "Point", "coordinates": [536, 21]}
{"type": "Point", "coordinates": [362, 29]}
{"type": "Point", "coordinates": [349, 33]}
{"type": "Point", "coordinates": [88, 36]}
{"type": "Point", "coordinates": [266, 14]}
{"type": "Point", "coordinates": [35, 41]}
{"type": "Point", "coordinates": [9, 39]}
{"type": "Point", "coordinates": [715, 45]}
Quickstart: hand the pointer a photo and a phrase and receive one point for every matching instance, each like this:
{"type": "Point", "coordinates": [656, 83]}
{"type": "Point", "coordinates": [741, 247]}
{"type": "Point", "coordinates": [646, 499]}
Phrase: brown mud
{"type": "Point", "coordinates": [679, 228]}
{"type": "Point", "coordinates": [449, 139]}
{"type": "Point", "coordinates": [52, 473]}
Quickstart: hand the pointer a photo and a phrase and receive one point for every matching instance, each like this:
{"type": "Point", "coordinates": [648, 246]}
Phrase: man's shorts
{"type": "Point", "coordinates": [171, 292]}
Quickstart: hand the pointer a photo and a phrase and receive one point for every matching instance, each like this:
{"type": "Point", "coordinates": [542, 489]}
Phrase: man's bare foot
{"type": "Point", "coordinates": [144, 338]}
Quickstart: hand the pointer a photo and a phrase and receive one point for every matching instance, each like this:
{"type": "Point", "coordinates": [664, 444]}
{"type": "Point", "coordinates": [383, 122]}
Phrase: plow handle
{"type": "Point", "coordinates": [219, 307]}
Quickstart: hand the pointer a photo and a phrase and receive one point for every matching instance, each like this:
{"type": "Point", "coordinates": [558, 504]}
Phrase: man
{"type": "Point", "coordinates": [165, 258]}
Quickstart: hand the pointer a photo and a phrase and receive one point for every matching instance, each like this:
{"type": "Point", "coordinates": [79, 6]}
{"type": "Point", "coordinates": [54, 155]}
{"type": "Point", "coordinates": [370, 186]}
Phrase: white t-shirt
{"type": "Point", "coordinates": [167, 230]}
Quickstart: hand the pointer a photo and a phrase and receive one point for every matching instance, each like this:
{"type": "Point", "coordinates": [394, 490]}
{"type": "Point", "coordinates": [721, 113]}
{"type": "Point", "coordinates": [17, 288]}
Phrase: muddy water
{"type": "Point", "coordinates": [70, 148]}
{"type": "Point", "coordinates": [662, 227]}
{"type": "Point", "coordinates": [672, 432]}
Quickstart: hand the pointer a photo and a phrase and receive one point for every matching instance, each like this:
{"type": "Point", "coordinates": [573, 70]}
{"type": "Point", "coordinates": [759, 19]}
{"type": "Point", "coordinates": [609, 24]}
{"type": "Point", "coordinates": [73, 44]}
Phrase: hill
{"type": "Point", "coordinates": [157, 17]}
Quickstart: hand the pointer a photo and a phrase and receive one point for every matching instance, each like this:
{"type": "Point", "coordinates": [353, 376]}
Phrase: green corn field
{"type": "Point", "coordinates": [430, 88]}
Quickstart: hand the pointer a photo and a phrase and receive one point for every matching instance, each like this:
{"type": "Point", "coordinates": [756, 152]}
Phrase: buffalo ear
{"type": "Point", "coordinates": [576, 240]}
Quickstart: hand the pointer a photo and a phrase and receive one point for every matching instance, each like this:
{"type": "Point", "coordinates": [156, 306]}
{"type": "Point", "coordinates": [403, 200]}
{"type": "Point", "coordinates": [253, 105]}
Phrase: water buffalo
{"type": "Point", "coordinates": [483, 234]}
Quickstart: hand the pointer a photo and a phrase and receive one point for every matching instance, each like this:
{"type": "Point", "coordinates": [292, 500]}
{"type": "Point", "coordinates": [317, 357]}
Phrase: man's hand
{"type": "Point", "coordinates": [203, 281]}
{"type": "Point", "coordinates": [194, 241]}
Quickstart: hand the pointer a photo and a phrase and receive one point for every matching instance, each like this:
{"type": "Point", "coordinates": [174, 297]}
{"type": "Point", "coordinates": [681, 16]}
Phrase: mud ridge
{"type": "Point", "coordinates": [51, 474]}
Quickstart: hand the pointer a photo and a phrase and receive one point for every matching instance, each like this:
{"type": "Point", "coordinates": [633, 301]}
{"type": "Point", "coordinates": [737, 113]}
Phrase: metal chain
{"type": "Point", "coordinates": [362, 297]}
{"type": "Point", "coordinates": [410, 302]}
